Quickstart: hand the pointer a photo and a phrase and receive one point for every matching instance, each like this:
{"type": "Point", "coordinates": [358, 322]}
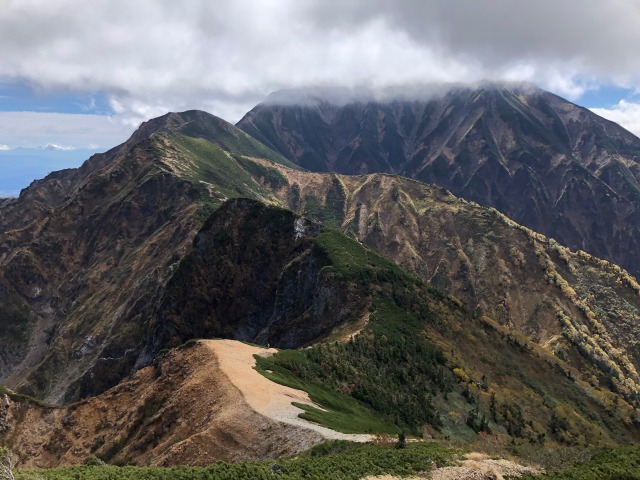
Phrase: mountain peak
{"type": "Point", "coordinates": [551, 165]}
{"type": "Point", "coordinates": [203, 125]}
{"type": "Point", "coordinates": [195, 123]}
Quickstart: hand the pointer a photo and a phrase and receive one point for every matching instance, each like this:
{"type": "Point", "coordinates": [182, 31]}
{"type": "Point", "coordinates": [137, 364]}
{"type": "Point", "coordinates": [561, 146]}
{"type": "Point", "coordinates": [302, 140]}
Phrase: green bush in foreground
{"type": "Point", "coordinates": [336, 460]}
{"type": "Point", "coordinates": [611, 463]}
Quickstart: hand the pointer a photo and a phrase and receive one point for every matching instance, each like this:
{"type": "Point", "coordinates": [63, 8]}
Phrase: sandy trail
{"type": "Point", "coordinates": [264, 396]}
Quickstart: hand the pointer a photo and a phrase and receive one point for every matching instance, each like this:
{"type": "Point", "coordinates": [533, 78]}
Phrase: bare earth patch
{"type": "Point", "coordinates": [264, 396]}
{"type": "Point", "coordinates": [195, 406]}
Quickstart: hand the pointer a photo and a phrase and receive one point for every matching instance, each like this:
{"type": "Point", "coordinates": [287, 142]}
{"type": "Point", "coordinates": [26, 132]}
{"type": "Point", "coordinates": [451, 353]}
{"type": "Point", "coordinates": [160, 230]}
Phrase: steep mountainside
{"type": "Point", "coordinates": [85, 253]}
{"type": "Point", "coordinates": [184, 409]}
{"type": "Point", "coordinates": [585, 310]}
{"type": "Point", "coordinates": [148, 249]}
{"type": "Point", "coordinates": [255, 274]}
{"type": "Point", "coordinates": [544, 162]}
{"type": "Point", "coordinates": [419, 361]}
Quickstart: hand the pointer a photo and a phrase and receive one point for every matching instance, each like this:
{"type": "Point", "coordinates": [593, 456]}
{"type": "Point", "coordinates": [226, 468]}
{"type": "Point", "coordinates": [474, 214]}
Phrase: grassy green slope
{"type": "Point", "coordinates": [227, 137]}
{"type": "Point", "coordinates": [215, 174]}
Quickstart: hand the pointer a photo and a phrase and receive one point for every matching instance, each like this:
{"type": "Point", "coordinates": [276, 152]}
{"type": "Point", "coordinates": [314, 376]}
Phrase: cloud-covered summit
{"type": "Point", "coordinates": [338, 95]}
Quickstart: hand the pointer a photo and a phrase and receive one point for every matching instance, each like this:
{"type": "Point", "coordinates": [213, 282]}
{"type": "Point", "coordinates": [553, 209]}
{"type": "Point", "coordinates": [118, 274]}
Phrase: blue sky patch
{"type": "Point", "coordinates": [18, 96]}
{"type": "Point", "coordinates": [607, 96]}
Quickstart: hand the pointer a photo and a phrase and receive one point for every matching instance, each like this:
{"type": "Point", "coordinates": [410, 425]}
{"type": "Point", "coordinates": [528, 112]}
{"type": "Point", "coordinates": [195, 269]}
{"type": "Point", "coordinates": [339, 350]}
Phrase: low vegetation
{"type": "Point", "coordinates": [613, 463]}
{"type": "Point", "coordinates": [334, 460]}
{"type": "Point", "coordinates": [340, 412]}
{"type": "Point", "coordinates": [19, 397]}
{"type": "Point", "coordinates": [395, 378]}
{"type": "Point", "coordinates": [386, 378]}
{"type": "Point", "coordinates": [346, 460]}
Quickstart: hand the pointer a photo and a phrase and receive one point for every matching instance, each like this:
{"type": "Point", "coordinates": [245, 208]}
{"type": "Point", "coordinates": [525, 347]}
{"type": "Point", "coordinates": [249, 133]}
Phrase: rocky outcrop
{"type": "Point", "coordinates": [89, 267]}
{"type": "Point", "coordinates": [254, 274]}
{"type": "Point", "coordinates": [4, 413]}
{"type": "Point", "coordinates": [85, 254]}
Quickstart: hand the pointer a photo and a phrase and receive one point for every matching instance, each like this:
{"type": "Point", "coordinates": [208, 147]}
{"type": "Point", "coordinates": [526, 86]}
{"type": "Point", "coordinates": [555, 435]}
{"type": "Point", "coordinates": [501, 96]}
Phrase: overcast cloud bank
{"type": "Point", "coordinates": [153, 56]}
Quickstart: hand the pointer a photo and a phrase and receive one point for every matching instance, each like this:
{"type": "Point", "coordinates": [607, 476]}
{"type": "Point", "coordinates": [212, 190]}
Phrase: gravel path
{"type": "Point", "coordinates": [264, 396]}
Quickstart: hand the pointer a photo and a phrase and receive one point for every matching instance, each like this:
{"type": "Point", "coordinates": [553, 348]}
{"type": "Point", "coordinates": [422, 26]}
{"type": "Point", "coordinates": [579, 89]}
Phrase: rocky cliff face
{"type": "Point", "coordinates": [544, 162]}
{"type": "Point", "coordinates": [88, 267]}
{"type": "Point", "coordinates": [255, 274]}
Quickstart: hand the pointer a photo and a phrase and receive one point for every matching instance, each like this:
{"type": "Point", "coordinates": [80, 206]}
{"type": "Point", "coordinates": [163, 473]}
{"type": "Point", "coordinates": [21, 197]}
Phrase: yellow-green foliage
{"type": "Point", "coordinates": [576, 427]}
{"type": "Point", "coordinates": [591, 338]}
{"type": "Point", "coordinates": [599, 350]}
{"type": "Point", "coordinates": [516, 256]}
{"type": "Point", "coordinates": [570, 428]}
{"type": "Point", "coordinates": [513, 336]}
{"type": "Point", "coordinates": [461, 375]}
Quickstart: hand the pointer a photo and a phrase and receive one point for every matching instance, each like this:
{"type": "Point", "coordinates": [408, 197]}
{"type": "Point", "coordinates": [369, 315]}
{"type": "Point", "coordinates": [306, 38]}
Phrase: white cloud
{"type": "Point", "coordinates": [152, 56]}
{"type": "Point", "coordinates": [59, 148]}
{"type": "Point", "coordinates": [4, 147]}
{"type": "Point", "coordinates": [35, 129]}
{"type": "Point", "coordinates": [624, 113]}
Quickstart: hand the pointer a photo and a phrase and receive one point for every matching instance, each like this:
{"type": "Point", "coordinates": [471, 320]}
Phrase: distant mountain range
{"type": "Point", "coordinates": [552, 166]}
